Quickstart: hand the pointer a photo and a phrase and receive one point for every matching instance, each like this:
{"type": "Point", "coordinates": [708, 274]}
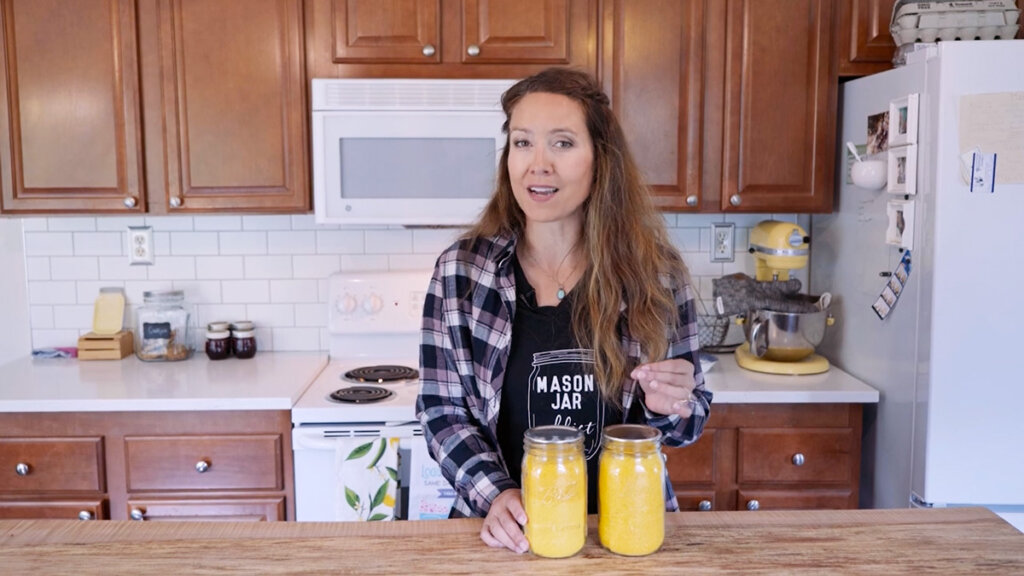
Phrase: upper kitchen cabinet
{"type": "Point", "coordinates": [448, 38]}
{"type": "Point", "coordinates": [228, 112]}
{"type": "Point", "coordinates": [70, 124]}
{"type": "Point", "coordinates": [864, 44]}
{"type": "Point", "coordinates": [652, 68]}
{"type": "Point", "coordinates": [771, 105]}
{"type": "Point", "coordinates": [160, 106]}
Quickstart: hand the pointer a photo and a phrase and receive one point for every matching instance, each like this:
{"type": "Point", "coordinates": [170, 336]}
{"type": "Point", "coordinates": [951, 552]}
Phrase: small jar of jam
{"type": "Point", "coordinates": [244, 343]}
{"type": "Point", "coordinates": [218, 344]}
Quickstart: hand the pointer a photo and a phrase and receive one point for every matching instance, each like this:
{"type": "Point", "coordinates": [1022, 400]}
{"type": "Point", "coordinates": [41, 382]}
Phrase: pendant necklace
{"type": "Point", "coordinates": [561, 285]}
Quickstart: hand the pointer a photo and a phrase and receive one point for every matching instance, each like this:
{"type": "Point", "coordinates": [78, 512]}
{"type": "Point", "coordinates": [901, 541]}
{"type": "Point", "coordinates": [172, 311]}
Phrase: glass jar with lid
{"type": "Point", "coordinates": [162, 327]}
{"type": "Point", "coordinates": [554, 490]}
{"type": "Point", "coordinates": [631, 490]}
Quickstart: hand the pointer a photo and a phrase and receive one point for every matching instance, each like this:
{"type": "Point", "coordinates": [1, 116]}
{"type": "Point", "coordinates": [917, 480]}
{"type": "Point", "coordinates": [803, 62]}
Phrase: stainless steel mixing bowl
{"type": "Point", "coordinates": [785, 336]}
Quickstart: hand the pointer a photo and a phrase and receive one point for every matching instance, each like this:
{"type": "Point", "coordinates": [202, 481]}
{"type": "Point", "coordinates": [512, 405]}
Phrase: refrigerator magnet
{"type": "Point", "coordinates": [878, 133]}
{"type": "Point", "coordinates": [881, 308]}
{"type": "Point", "coordinates": [900, 231]}
{"type": "Point", "coordinates": [902, 177]}
{"type": "Point", "coordinates": [903, 121]}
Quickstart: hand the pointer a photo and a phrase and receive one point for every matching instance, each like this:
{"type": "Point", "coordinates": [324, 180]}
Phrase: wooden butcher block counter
{"type": "Point", "coordinates": [946, 541]}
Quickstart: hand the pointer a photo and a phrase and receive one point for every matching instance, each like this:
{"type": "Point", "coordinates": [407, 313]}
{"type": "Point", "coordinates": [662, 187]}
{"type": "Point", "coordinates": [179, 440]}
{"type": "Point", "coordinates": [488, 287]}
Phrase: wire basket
{"type": "Point", "coordinates": [711, 330]}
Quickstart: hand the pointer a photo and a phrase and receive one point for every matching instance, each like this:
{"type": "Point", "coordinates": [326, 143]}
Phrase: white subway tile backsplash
{"type": "Point", "coordinates": [80, 268]}
{"type": "Point", "coordinates": [243, 243]}
{"type": "Point", "coordinates": [194, 243]}
{"type": "Point", "coordinates": [49, 244]}
{"type": "Point", "coordinates": [291, 242]}
{"type": "Point", "coordinates": [271, 269]}
{"type": "Point", "coordinates": [220, 267]}
{"type": "Point", "coordinates": [293, 291]}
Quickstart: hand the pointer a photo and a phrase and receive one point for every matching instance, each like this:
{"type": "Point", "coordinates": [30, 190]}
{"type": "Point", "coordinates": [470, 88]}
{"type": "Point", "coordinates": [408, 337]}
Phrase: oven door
{"type": "Point", "coordinates": [422, 491]}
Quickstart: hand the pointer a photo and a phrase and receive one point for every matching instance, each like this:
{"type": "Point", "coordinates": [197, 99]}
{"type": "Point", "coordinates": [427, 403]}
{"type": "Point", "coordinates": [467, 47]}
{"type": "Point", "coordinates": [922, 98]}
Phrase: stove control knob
{"type": "Point", "coordinates": [346, 304]}
{"type": "Point", "coordinates": [373, 304]}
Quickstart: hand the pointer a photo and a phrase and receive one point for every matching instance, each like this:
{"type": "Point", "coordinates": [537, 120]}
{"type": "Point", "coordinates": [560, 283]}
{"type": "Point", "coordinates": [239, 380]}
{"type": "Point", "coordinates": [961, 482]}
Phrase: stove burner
{"type": "Point", "coordinates": [360, 394]}
{"type": "Point", "coordinates": [382, 373]}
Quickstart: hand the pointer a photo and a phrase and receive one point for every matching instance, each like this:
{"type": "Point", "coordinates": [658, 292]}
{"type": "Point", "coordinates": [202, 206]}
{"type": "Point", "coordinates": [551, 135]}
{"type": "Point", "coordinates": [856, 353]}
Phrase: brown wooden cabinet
{"type": "Point", "coordinates": [771, 456]}
{"type": "Point", "coordinates": [147, 465]}
{"type": "Point", "coordinates": [165, 106]}
{"type": "Point", "coordinates": [863, 43]}
{"type": "Point", "coordinates": [448, 38]}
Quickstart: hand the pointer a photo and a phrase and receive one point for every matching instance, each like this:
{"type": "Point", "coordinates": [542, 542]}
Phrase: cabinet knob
{"type": "Point", "coordinates": [691, 200]}
{"type": "Point", "coordinates": [753, 505]}
{"type": "Point", "coordinates": [704, 505]}
{"type": "Point", "coordinates": [22, 469]}
{"type": "Point", "coordinates": [130, 201]}
{"type": "Point", "coordinates": [176, 201]}
{"type": "Point", "coordinates": [798, 459]}
{"type": "Point", "coordinates": [86, 515]}
{"type": "Point", "coordinates": [473, 50]}
{"type": "Point", "coordinates": [735, 200]}
{"type": "Point", "coordinates": [202, 466]}
{"type": "Point", "coordinates": [137, 514]}
{"type": "Point", "coordinates": [429, 50]}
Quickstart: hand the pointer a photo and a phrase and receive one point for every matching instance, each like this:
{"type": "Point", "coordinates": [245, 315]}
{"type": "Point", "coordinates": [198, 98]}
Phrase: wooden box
{"type": "Point", "coordinates": [92, 346]}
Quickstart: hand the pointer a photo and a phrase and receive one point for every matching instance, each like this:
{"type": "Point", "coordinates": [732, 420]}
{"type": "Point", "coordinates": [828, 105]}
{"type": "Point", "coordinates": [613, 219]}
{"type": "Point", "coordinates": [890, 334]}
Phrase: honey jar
{"type": "Point", "coordinates": [554, 488]}
{"type": "Point", "coordinates": [631, 490]}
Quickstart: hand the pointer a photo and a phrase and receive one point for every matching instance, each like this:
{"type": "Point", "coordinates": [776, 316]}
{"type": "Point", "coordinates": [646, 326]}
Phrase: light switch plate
{"type": "Point", "coordinates": [140, 245]}
{"type": "Point", "coordinates": [723, 242]}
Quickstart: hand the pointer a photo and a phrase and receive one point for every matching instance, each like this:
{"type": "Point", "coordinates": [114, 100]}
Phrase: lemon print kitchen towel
{"type": "Point", "coordinates": [366, 478]}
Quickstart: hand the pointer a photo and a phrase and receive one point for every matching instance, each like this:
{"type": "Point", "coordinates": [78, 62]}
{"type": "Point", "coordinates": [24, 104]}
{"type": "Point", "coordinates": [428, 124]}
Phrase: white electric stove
{"type": "Point", "coordinates": [367, 391]}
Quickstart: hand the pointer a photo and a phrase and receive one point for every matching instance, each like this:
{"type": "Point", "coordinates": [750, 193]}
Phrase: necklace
{"type": "Point", "coordinates": [561, 285]}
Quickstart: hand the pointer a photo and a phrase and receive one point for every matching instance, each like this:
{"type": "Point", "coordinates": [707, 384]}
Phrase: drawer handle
{"type": "Point", "coordinates": [428, 50]}
{"type": "Point", "coordinates": [798, 459]}
{"type": "Point", "coordinates": [704, 505]}
{"type": "Point", "coordinates": [202, 466]}
{"type": "Point", "coordinates": [473, 50]}
{"type": "Point", "coordinates": [86, 515]}
{"type": "Point", "coordinates": [22, 469]}
{"type": "Point", "coordinates": [753, 505]}
{"type": "Point", "coordinates": [137, 514]}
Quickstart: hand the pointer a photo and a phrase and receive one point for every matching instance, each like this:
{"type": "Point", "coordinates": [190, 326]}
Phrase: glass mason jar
{"type": "Point", "coordinates": [162, 327]}
{"type": "Point", "coordinates": [631, 490]}
{"type": "Point", "coordinates": [554, 486]}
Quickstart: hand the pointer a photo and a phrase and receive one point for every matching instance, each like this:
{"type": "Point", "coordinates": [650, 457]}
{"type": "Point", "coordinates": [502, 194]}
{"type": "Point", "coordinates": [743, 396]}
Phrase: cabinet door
{"type": "Point", "coordinates": [69, 95]}
{"type": "Point", "coordinates": [521, 31]}
{"type": "Point", "coordinates": [865, 45]}
{"type": "Point", "coordinates": [234, 111]}
{"type": "Point", "coordinates": [779, 106]}
{"type": "Point", "coordinates": [652, 68]}
{"type": "Point", "coordinates": [230, 510]}
{"type": "Point", "coordinates": [396, 31]}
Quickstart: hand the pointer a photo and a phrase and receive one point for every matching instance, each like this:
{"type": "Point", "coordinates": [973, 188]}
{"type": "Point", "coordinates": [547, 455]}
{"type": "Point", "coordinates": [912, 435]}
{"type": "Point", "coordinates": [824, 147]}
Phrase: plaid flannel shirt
{"type": "Point", "coordinates": [467, 324]}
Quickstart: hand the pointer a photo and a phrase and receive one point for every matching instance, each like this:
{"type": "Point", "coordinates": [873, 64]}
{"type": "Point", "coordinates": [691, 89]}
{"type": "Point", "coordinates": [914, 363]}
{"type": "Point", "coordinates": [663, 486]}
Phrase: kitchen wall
{"type": "Point", "coordinates": [14, 331]}
{"type": "Point", "coordinates": [268, 269]}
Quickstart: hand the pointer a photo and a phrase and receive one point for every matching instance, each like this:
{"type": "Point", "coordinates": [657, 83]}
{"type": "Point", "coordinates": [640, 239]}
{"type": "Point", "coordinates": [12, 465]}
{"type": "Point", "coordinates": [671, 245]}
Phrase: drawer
{"type": "Point", "coordinates": [51, 464]}
{"type": "Point", "coordinates": [696, 500]}
{"type": "Point", "coordinates": [233, 510]}
{"type": "Point", "coordinates": [809, 499]}
{"type": "Point", "coordinates": [795, 455]}
{"type": "Point", "coordinates": [694, 463]}
{"type": "Point", "coordinates": [54, 510]}
{"type": "Point", "coordinates": [221, 462]}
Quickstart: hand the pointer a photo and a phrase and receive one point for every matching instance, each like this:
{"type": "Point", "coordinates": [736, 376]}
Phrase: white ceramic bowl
{"type": "Point", "coordinates": [869, 174]}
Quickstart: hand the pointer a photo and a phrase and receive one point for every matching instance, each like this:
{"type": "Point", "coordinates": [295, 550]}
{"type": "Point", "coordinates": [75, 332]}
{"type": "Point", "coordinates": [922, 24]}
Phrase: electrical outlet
{"type": "Point", "coordinates": [140, 245]}
{"type": "Point", "coordinates": [723, 241]}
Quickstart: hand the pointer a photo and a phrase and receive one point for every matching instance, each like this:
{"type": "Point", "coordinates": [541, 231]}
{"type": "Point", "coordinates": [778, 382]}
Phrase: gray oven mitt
{"type": "Point", "coordinates": [738, 293]}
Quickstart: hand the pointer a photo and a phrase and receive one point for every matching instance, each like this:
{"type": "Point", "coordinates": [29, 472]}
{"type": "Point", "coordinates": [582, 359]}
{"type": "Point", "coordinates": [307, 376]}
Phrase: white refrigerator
{"type": "Point", "coordinates": [948, 357]}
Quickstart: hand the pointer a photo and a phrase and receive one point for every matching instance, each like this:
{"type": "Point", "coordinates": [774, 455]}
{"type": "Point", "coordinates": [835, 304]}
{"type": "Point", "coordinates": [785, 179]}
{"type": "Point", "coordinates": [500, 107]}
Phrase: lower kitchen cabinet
{"type": "Point", "coordinates": [771, 456]}
{"type": "Point", "coordinates": [200, 465]}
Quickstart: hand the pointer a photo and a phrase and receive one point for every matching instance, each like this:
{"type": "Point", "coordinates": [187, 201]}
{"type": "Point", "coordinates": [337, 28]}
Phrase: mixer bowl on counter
{"type": "Point", "coordinates": [785, 336]}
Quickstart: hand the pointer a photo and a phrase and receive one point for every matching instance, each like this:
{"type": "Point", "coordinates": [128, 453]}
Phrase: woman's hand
{"type": "Point", "coordinates": [668, 386]}
{"type": "Point", "coordinates": [503, 526]}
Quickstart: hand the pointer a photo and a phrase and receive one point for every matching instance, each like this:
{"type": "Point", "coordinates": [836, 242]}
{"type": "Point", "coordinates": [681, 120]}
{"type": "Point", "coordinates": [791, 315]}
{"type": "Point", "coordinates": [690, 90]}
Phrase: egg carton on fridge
{"type": "Point", "coordinates": [925, 22]}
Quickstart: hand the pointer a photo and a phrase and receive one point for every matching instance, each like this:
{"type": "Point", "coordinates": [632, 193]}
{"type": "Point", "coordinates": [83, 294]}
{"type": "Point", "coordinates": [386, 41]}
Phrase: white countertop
{"type": "Point", "coordinates": [269, 381]}
{"type": "Point", "coordinates": [734, 385]}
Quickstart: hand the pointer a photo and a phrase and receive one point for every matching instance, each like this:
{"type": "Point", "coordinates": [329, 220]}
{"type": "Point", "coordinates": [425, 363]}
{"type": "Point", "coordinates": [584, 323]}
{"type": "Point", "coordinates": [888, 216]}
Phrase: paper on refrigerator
{"type": "Point", "coordinates": [994, 124]}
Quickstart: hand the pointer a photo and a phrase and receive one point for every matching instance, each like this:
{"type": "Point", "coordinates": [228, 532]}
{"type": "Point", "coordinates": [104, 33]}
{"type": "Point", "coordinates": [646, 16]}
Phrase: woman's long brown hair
{"type": "Point", "coordinates": [628, 250]}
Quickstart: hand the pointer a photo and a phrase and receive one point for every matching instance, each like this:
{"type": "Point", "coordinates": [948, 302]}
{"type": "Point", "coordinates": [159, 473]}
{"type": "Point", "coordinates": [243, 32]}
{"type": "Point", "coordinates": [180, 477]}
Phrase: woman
{"type": "Point", "coordinates": [565, 304]}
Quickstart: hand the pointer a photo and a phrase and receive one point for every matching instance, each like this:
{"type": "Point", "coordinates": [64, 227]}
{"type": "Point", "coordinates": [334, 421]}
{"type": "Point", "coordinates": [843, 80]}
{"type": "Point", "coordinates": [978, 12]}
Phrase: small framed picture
{"type": "Point", "coordinates": [881, 308]}
{"type": "Point", "coordinates": [902, 170]}
{"type": "Point", "coordinates": [903, 121]}
{"type": "Point", "coordinates": [878, 133]}
{"type": "Point", "coordinates": [895, 285]}
{"type": "Point", "coordinates": [900, 231]}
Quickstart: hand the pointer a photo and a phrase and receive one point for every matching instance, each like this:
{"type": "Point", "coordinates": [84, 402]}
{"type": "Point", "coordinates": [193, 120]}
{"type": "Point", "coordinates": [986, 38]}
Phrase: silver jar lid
{"type": "Point", "coordinates": [632, 433]}
{"type": "Point", "coordinates": [553, 435]}
{"type": "Point", "coordinates": [163, 295]}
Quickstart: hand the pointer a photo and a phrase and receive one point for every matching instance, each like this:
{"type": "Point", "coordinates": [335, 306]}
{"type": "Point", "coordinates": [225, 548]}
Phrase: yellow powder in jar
{"type": "Point", "coordinates": [555, 499]}
{"type": "Point", "coordinates": [631, 502]}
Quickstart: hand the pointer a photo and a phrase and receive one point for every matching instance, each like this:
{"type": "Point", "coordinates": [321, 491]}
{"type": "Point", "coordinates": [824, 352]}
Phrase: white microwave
{"type": "Point", "coordinates": [405, 151]}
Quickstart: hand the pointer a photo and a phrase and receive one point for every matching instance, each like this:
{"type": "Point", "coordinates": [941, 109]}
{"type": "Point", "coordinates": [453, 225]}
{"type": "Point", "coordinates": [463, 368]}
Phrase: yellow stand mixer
{"type": "Point", "coordinates": [782, 342]}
